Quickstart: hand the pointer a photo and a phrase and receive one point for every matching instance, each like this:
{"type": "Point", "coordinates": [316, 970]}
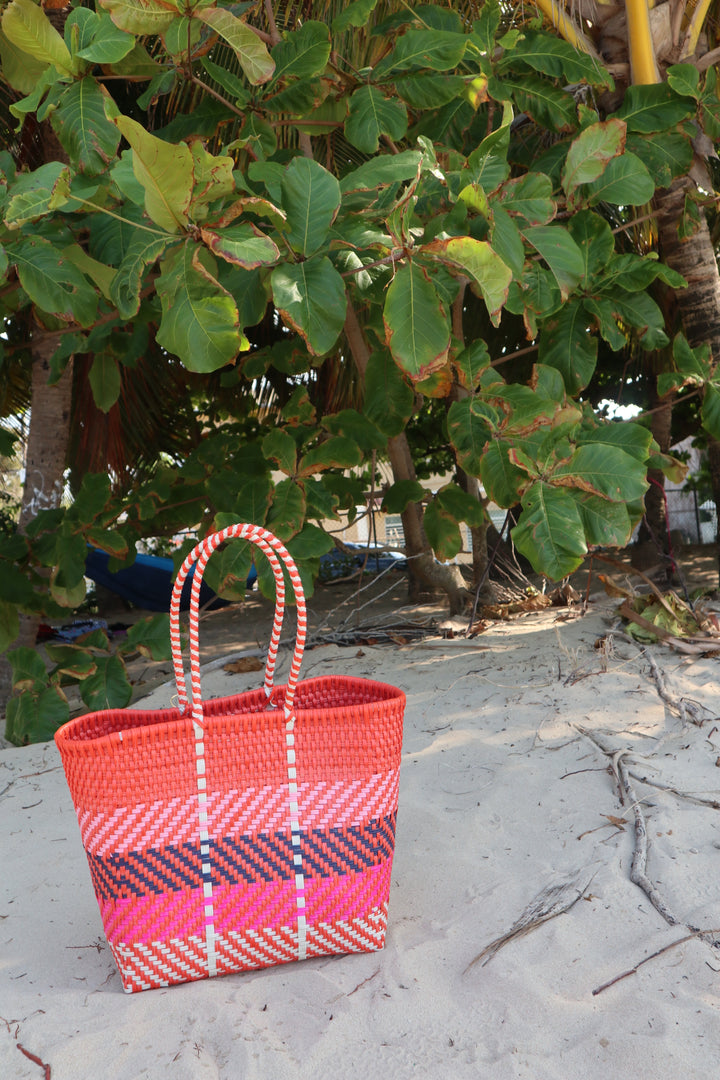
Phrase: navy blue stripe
{"type": "Point", "coordinates": [261, 857]}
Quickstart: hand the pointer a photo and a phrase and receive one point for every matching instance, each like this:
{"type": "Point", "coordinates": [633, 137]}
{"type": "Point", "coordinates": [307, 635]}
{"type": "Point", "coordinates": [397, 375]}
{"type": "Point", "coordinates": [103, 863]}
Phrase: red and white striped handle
{"type": "Point", "coordinates": [277, 555]}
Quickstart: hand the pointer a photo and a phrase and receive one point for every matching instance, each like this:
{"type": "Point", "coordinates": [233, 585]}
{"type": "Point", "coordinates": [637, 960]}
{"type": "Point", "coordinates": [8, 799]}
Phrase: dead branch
{"type": "Point", "coordinates": [652, 956]}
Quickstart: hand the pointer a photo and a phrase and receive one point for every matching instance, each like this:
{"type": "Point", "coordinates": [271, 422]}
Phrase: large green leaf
{"type": "Point", "coordinates": [140, 16]}
{"type": "Point", "coordinates": [590, 153]}
{"type": "Point", "coordinates": [26, 26]}
{"type": "Point", "coordinates": [165, 173]}
{"type": "Point", "coordinates": [107, 43]}
{"type": "Point", "coordinates": [529, 198]}
{"type": "Point", "coordinates": [664, 158]}
{"type": "Point", "coordinates": [252, 53]}
{"type": "Point", "coordinates": [105, 381]}
{"type": "Point", "coordinates": [488, 163]}
{"type": "Point", "coordinates": [549, 107]}
{"type": "Point", "coordinates": [357, 427]}
{"type": "Point", "coordinates": [416, 323]}
{"type": "Point", "coordinates": [442, 531]}
{"type": "Point", "coordinates": [439, 50]}
{"type": "Point", "coordinates": [635, 272]}
{"type": "Point", "coordinates": [20, 71]}
{"type": "Point", "coordinates": [53, 283]}
{"type": "Point", "coordinates": [243, 245]}
{"type": "Point", "coordinates": [310, 297]}
{"type": "Point", "coordinates": [389, 399]}
{"type": "Point", "coordinates": [287, 512]}
{"type": "Point", "coordinates": [82, 126]}
{"type": "Point", "coordinates": [640, 311]}
{"type": "Point", "coordinates": [429, 91]}
{"type": "Point", "coordinates": [606, 524]}
{"type": "Point", "coordinates": [200, 322]}
{"type": "Point", "coordinates": [596, 242]}
{"type": "Point", "coordinates": [566, 344]}
{"type": "Point", "coordinates": [482, 265]}
{"type": "Point", "coordinates": [471, 423]}
{"type": "Point", "coordinates": [336, 452]}
{"type": "Point", "coordinates": [144, 249]}
{"type": "Point", "coordinates": [560, 252]}
{"type": "Point", "coordinates": [507, 241]}
{"type": "Point", "coordinates": [634, 439]}
{"type": "Point", "coordinates": [555, 57]}
{"type": "Point", "coordinates": [280, 447]}
{"type": "Point", "coordinates": [303, 52]}
{"type": "Point", "coordinates": [108, 687]}
{"type": "Point", "coordinates": [372, 115]}
{"type": "Point", "coordinates": [382, 171]}
{"type": "Point", "coordinates": [503, 481]}
{"type": "Point", "coordinates": [653, 107]}
{"type": "Point", "coordinates": [460, 505]}
{"type": "Point", "coordinates": [625, 182]}
{"type": "Point", "coordinates": [550, 533]}
{"type": "Point", "coordinates": [606, 470]}
{"type": "Point", "coordinates": [37, 193]}
{"type": "Point", "coordinates": [311, 200]}
{"type": "Point", "coordinates": [710, 411]}
{"type": "Point", "coordinates": [151, 637]}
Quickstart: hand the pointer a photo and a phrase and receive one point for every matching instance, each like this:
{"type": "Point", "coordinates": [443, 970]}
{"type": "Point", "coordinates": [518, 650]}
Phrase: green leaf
{"type": "Point", "coordinates": [550, 533]}
{"type": "Point", "coordinates": [310, 543]}
{"type": "Point", "coordinates": [549, 107]}
{"type": "Point", "coordinates": [560, 252]}
{"type": "Point", "coordinates": [9, 624]}
{"type": "Point", "coordinates": [165, 173]}
{"type": "Point", "coordinates": [625, 182]}
{"type": "Point", "coordinates": [635, 272]}
{"type": "Point", "coordinates": [416, 323]}
{"type": "Point", "coordinates": [460, 505]}
{"type": "Point", "coordinates": [488, 163]}
{"type": "Point", "coordinates": [640, 311]}
{"type": "Point", "coordinates": [108, 687]}
{"type": "Point", "coordinates": [653, 107]}
{"type": "Point", "coordinates": [358, 428]}
{"type": "Point", "coordinates": [566, 344]}
{"type": "Point", "coordinates": [140, 16]}
{"type": "Point", "coordinates": [606, 320]}
{"type": "Point", "coordinates": [590, 153]}
{"type": "Point", "coordinates": [311, 200]}
{"type": "Point", "coordinates": [442, 531]}
{"type": "Point", "coordinates": [53, 283]}
{"type": "Point", "coordinates": [439, 50]}
{"type": "Point", "coordinates": [372, 115]}
{"type": "Point", "coordinates": [200, 322]}
{"type": "Point", "coordinates": [382, 171]}
{"type": "Point", "coordinates": [19, 70]}
{"type": "Point", "coordinates": [26, 26]}
{"type": "Point", "coordinates": [310, 297]}
{"type": "Point", "coordinates": [554, 56]}
{"type": "Point", "coordinates": [28, 669]}
{"type": "Point", "coordinates": [252, 53]}
{"type": "Point", "coordinates": [336, 452]}
{"type": "Point", "coordinates": [303, 52]}
{"type": "Point", "coordinates": [143, 251]}
{"type": "Point", "coordinates": [278, 446]}
{"type": "Point", "coordinates": [605, 470]}
{"type": "Point", "coordinates": [664, 158]}
{"type": "Point", "coordinates": [243, 245]}
{"type": "Point", "coordinates": [227, 81]}
{"type": "Point", "coordinates": [108, 43]}
{"type": "Point", "coordinates": [684, 79]}
{"type": "Point", "coordinates": [634, 439]}
{"type": "Point", "coordinates": [357, 13]}
{"type": "Point", "coordinates": [105, 381]}
{"type": "Point", "coordinates": [471, 423]}
{"type": "Point", "coordinates": [606, 524]}
{"type": "Point", "coordinates": [429, 91]}
{"type": "Point", "coordinates": [710, 411]}
{"type": "Point", "coordinates": [400, 494]}
{"type": "Point", "coordinates": [37, 193]}
{"type": "Point", "coordinates": [482, 265]}
{"type": "Point", "coordinates": [471, 363]}
{"type": "Point", "coordinates": [151, 637]}
{"type": "Point", "coordinates": [287, 512]}
{"type": "Point", "coordinates": [529, 198]}
{"type": "Point", "coordinates": [71, 660]}
{"type": "Point", "coordinates": [503, 481]}
{"type": "Point", "coordinates": [36, 716]}
{"type": "Point", "coordinates": [81, 125]}
{"type": "Point", "coordinates": [596, 242]}
{"type": "Point", "coordinates": [389, 400]}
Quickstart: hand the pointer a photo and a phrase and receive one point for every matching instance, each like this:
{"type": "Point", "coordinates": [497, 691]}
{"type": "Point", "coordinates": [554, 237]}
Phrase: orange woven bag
{"type": "Point", "coordinates": [245, 831]}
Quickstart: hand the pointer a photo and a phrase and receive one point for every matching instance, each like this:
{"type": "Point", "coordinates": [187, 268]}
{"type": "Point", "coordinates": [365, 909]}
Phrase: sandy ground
{"type": "Point", "coordinates": [512, 904]}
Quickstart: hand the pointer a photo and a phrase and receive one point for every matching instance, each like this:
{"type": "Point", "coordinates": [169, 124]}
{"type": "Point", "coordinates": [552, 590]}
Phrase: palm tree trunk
{"type": "Point", "coordinates": [699, 304]}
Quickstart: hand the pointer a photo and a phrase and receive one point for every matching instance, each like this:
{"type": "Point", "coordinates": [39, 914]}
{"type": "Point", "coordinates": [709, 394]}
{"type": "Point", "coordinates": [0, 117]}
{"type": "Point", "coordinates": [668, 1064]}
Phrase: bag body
{"type": "Point", "coordinates": [245, 831]}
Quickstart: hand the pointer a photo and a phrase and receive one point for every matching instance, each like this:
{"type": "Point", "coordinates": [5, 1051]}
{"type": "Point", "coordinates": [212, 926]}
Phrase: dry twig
{"type": "Point", "coordinates": [652, 956]}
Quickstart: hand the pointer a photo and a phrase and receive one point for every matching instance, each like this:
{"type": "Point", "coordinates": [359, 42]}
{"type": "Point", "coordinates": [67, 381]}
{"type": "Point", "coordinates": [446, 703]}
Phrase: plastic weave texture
{"type": "Point", "coordinates": [244, 831]}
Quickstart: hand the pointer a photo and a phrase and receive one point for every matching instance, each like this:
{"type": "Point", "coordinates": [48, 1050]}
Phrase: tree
{"type": "Point", "coordinates": [400, 195]}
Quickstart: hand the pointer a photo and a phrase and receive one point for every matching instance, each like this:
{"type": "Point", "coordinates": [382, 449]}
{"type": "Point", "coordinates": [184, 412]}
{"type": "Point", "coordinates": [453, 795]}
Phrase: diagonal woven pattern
{"type": "Point", "coordinates": [244, 831]}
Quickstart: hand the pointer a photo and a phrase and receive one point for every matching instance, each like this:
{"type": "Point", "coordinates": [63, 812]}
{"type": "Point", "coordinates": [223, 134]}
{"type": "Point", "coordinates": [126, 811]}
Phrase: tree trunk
{"type": "Point", "coordinates": [653, 543]}
{"type": "Point", "coordinates": [698, 304]}
{"type": "Point", "coordinates": [423, 569]}
{"type": "Point", "coordinates": [45, 462]}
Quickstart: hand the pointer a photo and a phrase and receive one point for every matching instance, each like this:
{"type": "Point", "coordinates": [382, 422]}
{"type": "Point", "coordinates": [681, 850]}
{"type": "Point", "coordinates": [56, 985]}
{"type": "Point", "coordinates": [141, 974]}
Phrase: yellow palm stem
{"type": "Point", "coordinates": [567, 29]}
{"type": "Point", "coordinates": [643, 64]}
{"type": "Point", "coordinates": [694, 29]}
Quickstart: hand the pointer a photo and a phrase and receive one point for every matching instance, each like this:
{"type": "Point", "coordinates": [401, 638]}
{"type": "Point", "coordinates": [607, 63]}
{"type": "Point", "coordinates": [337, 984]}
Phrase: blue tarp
{"type": "Point", "coordinates": [148, 583]}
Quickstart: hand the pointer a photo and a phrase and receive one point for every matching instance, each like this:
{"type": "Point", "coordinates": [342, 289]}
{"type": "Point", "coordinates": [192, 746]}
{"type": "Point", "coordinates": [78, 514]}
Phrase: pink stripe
{"type": "Point", "coordinates": [264, 809]}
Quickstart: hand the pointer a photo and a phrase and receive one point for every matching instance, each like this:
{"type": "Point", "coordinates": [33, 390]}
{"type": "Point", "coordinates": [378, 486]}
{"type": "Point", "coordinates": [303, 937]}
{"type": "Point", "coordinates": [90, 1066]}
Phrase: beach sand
{"type": "Point", "coordinates": [511, 830]}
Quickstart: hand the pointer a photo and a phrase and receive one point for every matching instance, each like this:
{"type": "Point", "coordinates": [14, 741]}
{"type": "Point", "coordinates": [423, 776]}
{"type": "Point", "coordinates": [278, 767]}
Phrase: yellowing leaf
{"type": "Point", "coordinates": [165, 172]}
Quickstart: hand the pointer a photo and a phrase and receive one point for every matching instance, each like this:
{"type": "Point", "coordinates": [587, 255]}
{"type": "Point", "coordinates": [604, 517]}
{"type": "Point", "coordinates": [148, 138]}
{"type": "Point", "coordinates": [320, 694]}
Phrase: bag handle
{"type": "Point", "coordinates": [277, 554]}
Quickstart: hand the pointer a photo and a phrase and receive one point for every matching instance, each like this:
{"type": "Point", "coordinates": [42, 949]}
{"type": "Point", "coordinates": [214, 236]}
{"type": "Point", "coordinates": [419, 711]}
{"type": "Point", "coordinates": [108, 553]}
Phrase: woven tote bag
{"type": "Point", "coordinates": [244, 831]}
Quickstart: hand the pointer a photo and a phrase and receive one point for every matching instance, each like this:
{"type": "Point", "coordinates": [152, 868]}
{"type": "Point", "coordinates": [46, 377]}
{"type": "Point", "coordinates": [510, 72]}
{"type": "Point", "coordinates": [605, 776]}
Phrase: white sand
{"type": "Point", "coordinates": [501, 798]}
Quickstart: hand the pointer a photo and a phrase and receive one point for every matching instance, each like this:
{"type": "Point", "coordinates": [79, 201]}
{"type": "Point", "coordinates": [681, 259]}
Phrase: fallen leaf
{"type": "Point", "coordinates": [243, 663]}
